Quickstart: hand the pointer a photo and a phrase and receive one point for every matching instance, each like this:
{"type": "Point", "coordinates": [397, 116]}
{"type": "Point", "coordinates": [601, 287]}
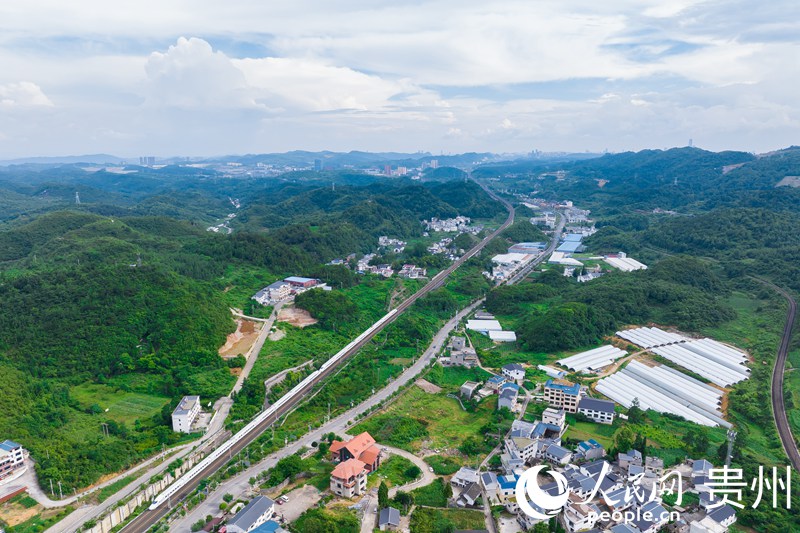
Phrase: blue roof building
{"type": "Point", "coordinates": [573, 389]}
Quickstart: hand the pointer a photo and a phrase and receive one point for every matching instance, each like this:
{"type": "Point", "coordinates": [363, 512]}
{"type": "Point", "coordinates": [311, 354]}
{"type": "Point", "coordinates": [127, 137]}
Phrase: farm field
{"type": "Point", "coordinates": [118, 405]}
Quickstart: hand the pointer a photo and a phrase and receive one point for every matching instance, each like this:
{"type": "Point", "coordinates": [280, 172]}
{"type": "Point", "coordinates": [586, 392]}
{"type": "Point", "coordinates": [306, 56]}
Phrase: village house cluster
{"type": "Point", "coordinates": [459, 224]}
{"type": "Point", "coordinates": [609, 484]}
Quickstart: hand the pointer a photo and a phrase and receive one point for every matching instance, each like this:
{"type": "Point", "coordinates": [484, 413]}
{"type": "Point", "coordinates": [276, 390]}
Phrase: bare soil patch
{"type": "Point", "coordinates": [14, 514]}
{"type": "Point", "coordinates": [427, 386]}
{"type": "Point", "coordinates": [277, 335]}
{"type": "Point", "coordinates": [296, 317]}
{"type": "Point", "coordinates": [241, 340]}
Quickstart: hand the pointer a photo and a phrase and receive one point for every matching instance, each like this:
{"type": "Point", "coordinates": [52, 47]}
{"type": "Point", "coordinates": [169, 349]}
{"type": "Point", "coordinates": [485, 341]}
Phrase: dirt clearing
{"type": "Point", "coordinates": [240, 341]}
{"type": "Point", "coordinates": [427, 386]}
{"type": "Point", "coordinates": [297, 317]}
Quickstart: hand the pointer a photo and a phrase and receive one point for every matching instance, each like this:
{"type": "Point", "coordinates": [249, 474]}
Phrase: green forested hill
{"type": "Point", "coordinates": [112, 312]}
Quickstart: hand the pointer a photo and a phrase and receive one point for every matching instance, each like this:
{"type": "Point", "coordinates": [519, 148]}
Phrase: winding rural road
{"type": "Point", "coordinates": [778, 372]}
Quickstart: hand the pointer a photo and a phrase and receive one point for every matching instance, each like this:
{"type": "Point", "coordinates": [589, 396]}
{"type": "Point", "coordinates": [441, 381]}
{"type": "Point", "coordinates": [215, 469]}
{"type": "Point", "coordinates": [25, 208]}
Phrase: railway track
{"type": "Point", "coordinates": [778, 372]}
{"type": "Point", "coordinates": [148, 518]}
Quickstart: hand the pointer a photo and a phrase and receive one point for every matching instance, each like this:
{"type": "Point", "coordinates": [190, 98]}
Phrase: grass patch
{"type": "Point", "coordinates": [337, 519]}
{"type": "Point", "coordinates": [108, 491]}
{"type": "Point", "coordinates": [445, 424]}
{"type": "Point", "coordinates": [42, 521]}
{"type": "Point", "coordinates": [398, 470]}
{"type": "Point", "coordinates": [443, 465]}
{"type": "Point", "coordinates": [118, 405]}
{"type": "Point", "coordinates": [435, 520]}
{"type": "Point", "coordinates": [452, 377]}
{"type": "Point", "coordinates": [433, 495]}
{"type": "Point", "coordinates": [602, 433]}
{"type": "Point", "coordinates": [24, 500]}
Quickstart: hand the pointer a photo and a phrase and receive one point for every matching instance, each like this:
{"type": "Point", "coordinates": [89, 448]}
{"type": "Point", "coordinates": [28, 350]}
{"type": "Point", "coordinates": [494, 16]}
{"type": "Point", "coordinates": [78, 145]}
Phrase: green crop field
{"type": "Point", "coordinates": [120, 406]}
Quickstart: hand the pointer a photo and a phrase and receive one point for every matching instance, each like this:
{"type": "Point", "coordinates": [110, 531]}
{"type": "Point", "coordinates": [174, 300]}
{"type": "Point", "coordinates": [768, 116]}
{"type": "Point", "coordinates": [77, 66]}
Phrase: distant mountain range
{"type": "Point", "coordinates": [300, 159]}
{"type": "Point", "coordinates": [95, 159]}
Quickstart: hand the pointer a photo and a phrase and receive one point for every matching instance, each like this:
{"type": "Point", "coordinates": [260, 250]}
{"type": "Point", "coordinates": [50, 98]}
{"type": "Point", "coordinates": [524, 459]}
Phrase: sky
{"type": "Point", "coordinates": [204, 78]}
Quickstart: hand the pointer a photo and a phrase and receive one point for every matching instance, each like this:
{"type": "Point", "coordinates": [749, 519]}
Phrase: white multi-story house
{"type": "Point", "coordinates": [349, 478]}
{"type": "Point", "coordinates": [185, 414]}
{"type": "Point", "coordinates": [563, 396]}
{"type": "Point", "coordinates": [601, 411]}
{"type": "Point", "coordinates": [12, 458]}
{"type": "Point", "coordinates": [514, 372]}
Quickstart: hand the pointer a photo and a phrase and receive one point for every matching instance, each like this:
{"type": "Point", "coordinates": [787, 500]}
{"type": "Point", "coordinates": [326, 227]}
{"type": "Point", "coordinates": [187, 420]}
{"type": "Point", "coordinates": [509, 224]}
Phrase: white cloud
{"type": "Point", "coordinates": [23, 94]}
{"type": "Point", "coordinates": [190, 75]}
{"type": "Point", "coordinates": [455, 75]}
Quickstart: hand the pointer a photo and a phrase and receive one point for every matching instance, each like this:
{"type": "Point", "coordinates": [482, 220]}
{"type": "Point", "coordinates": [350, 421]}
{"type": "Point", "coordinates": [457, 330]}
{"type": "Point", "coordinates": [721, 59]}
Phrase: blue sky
{"type": "Point", "coordinates": [196, 77]}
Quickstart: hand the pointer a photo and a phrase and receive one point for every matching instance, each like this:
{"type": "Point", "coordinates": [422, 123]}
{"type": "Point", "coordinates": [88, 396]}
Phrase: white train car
{"type": "Point", "coordinates": [272, 409]}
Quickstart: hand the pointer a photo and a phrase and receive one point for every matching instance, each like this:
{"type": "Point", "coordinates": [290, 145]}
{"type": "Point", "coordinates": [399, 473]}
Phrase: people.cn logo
{"type": "Point", "coordinates": [543, 505]}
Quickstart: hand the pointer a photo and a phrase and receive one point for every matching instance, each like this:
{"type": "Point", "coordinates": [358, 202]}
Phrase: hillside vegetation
{"type": "Point", "coordinates": [112, 314]}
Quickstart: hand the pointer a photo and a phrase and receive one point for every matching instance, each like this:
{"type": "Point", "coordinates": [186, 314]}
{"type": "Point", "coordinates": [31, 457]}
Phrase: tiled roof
{"type": "Point", "coordinates": [389, 515]}
{"type": "Point", "coordinates": [348, 469]}
{"type": "Point", "coordinates": [604, 406]}
{"type": "Point", "coordinates": [369, 455]}
{"type": "Point", "coordinates": [251, 512]}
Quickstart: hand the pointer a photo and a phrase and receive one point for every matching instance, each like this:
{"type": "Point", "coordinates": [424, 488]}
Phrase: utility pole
{"type": "Point", "coordinates": [52, 493]}
{"type": "Point", "coordinates": [731, 439]}
{"type": "Point", "coordinates": [60, 492]}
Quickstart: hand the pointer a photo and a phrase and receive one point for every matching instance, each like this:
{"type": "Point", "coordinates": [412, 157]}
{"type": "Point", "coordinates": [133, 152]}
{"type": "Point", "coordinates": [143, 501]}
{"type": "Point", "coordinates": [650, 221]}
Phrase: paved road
{"type": "Point", "coordinates": [427, 478]}
{"type": "Point", "coordinates": [339, 425]}
{"type": "Point", "coordinates": [280, 376]}
{"type": "Point", "coordinates": [778, 403]}
{"type": "Point", "coordinates": [255, 349]}
{"type": "Point", "coordinates": [550, 249]}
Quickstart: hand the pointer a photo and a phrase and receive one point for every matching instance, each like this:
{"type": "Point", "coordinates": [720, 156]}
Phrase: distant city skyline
{"type": "Point", "coordinates": [201, 78]}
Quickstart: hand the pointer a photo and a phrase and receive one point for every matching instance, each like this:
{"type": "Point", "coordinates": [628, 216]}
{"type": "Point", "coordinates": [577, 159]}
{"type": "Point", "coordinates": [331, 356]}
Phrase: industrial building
{"type": "Point", "coordinates": [484, 326]}
{"type": "Point", "coordinates": [527, 248]}
{"type": "Point", "coordinates": [624, 263]}
{"type": "Point", "coordinates": [503, 336]}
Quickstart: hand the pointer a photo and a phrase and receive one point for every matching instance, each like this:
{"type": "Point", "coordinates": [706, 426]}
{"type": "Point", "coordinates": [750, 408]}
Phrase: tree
{"type": "Point", "coordinates": [228, 498]}
{"type": "Point", "coordinates": [383, 495]}
{"type": "Point", "coordinates": [404, 500]}
{"type": "Point", "coordinates": [624, 439]}
{"type": "Point", "coordinates": [413, 472]}
{"type": "Point", "coordinates": [635, 413]}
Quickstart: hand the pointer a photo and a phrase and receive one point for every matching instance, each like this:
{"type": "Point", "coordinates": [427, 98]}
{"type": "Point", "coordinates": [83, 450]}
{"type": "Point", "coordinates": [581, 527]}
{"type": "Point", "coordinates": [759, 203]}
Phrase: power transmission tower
{"type": "Point", "coordinates": [77, 197]}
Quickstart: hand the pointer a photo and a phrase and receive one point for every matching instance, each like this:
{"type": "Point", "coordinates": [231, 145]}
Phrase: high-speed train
{"type": "Point", "coordinates": [298, 390]}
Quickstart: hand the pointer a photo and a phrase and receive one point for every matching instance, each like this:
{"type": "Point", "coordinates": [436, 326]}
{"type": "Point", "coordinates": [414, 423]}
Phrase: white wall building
{"type": "Point", "coordinates": [185, 414]}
